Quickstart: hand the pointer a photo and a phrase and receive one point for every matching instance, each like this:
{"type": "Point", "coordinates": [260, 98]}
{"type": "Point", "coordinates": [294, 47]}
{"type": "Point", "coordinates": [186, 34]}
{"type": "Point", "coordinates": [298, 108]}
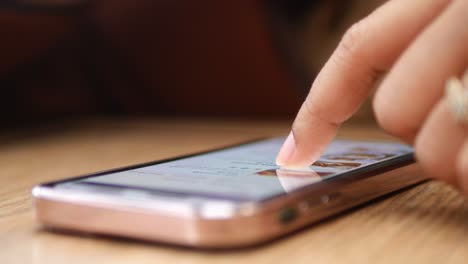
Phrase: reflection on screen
{"type": "Point", "coordinates": [249, 171]}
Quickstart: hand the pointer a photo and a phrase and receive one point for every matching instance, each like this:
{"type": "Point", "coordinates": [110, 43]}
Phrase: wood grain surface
{"type": "Point", "coordinates": [424, 224]}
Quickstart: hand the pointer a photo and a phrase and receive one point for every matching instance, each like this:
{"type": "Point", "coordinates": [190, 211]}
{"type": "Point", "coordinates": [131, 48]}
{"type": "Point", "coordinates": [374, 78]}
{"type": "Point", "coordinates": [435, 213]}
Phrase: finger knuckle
{"type": "Point", "coordinates": [387, 118]}
{"type": "Point", "coordinates": [432, 161]}
{"type": "Point", "coordinates": [350, 46]}
{"type": "Point", "coordinates": [313, 111]}
{"type": "Point", "coordinates": [426, 158]}
{"type": "Point", "coordinates": [393, 120]}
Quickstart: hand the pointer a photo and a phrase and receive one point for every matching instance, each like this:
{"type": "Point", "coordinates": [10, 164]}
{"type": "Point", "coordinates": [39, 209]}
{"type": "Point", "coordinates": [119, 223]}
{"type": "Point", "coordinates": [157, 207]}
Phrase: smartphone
{"type": "Point", "coordinates": [230, 197]}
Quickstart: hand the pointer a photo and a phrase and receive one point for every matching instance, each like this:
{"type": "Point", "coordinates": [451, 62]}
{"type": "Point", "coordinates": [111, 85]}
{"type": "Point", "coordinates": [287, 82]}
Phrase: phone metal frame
{"type": "Point", "coordinates": [205, 222]}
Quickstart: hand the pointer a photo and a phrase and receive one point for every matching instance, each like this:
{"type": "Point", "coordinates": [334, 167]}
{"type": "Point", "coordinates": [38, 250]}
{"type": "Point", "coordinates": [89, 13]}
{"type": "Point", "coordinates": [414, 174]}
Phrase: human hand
{"type": "Point", "coordinates": [420, 44]}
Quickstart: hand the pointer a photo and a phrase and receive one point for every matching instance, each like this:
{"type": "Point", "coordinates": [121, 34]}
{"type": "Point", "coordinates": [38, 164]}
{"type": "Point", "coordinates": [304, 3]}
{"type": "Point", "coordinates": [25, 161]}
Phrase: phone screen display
{"type": "Point", "coordinates": [248, 172]}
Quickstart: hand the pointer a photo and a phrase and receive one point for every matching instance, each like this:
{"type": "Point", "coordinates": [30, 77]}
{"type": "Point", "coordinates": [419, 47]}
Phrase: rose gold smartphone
{"type": "Point", "coordinates": [231, 197]}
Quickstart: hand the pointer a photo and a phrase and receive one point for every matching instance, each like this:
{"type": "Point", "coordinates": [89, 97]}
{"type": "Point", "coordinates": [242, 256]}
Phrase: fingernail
{"type": "Point", "coordinates": [287, 150]}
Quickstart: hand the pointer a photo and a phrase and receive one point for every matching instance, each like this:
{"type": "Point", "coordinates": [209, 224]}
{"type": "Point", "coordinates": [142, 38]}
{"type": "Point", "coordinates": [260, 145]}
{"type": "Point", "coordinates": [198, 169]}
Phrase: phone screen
{"type": "Point", "coordinates": [247, 172]}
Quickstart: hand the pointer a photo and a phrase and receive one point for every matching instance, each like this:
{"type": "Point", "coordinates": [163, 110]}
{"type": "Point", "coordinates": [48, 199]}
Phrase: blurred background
{"type": "Point", "coordinates": [75, 59]}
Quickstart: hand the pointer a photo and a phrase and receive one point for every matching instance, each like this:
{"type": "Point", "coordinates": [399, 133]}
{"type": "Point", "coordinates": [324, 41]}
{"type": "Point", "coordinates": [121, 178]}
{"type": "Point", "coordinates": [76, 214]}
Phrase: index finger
{"type": "Point", "coordinates": [369, 48]}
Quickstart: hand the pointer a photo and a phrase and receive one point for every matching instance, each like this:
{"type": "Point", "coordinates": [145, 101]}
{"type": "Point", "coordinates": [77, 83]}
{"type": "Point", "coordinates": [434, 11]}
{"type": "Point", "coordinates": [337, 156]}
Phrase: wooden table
{"type": "Point", "coordinates": [425, 224]}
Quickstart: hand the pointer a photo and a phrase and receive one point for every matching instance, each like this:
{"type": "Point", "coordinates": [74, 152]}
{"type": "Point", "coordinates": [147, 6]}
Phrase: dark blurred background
{"type": "Point", "coordinates": [67, 59]}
